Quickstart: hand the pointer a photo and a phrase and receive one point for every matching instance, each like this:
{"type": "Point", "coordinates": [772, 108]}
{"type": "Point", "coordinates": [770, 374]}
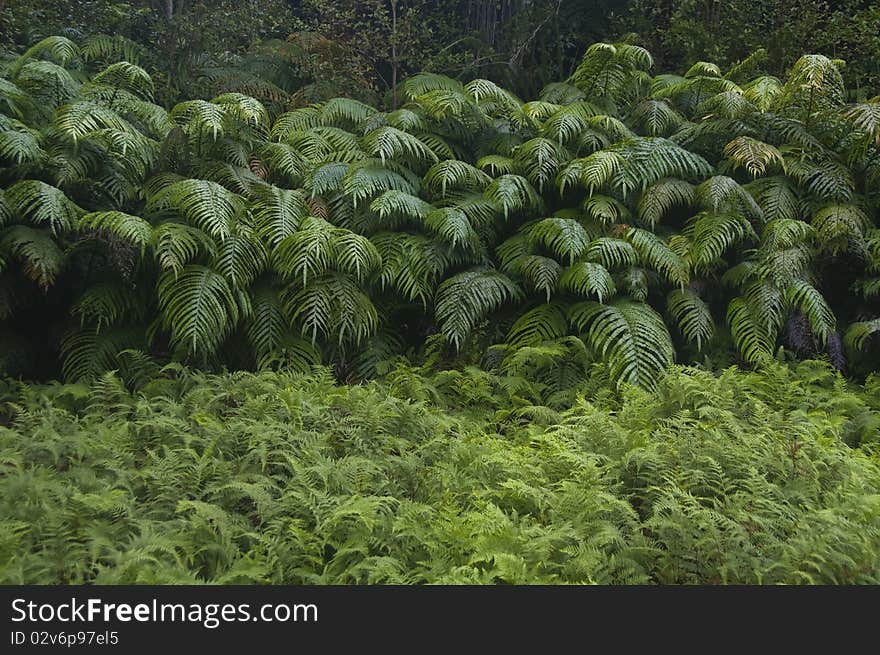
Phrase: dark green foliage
{"type": "Point", "coordinates": [664, 217]}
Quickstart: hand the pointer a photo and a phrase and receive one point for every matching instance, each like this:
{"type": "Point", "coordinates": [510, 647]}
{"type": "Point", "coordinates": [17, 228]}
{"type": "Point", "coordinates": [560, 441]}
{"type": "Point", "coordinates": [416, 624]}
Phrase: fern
{"type": "Point", "coordinates": [465, 299]}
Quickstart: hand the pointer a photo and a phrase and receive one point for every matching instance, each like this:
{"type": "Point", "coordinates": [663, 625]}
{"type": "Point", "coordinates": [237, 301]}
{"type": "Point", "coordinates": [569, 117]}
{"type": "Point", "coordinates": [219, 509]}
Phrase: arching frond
{"type": "Point", "coordinates": [130, 228]}
{"type": "Point", "coordinates": [128, 76]}
{"type": "Point", "coordinates": [103, 304]}
{"type": "Point", "coordinates": [278, 212]}
{"type": "Point", "coordinates": [753, 155]}
{"type": "Point", "coordinates": [41, 258]}
{"type": "Point", "coordinates": [451, 224]}
{"type": "Point", "coordinates": [629, 335]}
{"type": "Point", "coordinates": [86, 353]}
{"type": "Point", "coordinates": [367, 179]}
{"type": "Point", "coordinates": [205, 205]}
{"type": "Point", "coordinates": [20, 146]}
{"type": "Point", "coordinates": [419, 85]}
{"type": "Point", "coordinates": [395, 203]}
{"type": "Point", "coordinates": [41, 204]}
{"type": "Point", "coordinates": [592, 172]}
{"type": "Point", "coordinates": [410, 264]}
{"type": "Point", "coordinates": [810, 302]}
{"type": "Point", "coordinates": [345, 110]}
{"type": "Point", "coordinates": [467, 298]}
{"type": "Point", "coordinates": [658, 254]}
{"type": "Point", "coordinates": [198, 307]}
{"type": "Point", "coordinates": [177, 244]}
{"type": "Point", "coordinates": [545, 322]}
{"type": "Point", "coordinates": [59, 49]}
{"type": "Point", "coordinates": [858, 333]}
{"type": "Point", "coordinates": [753, 339]}
{"type": "Point", "coordinates": [513, 193]}
{"type": "Point", "coordinates": [454, 175]}
{"type": "Point", "coordinates": [612, 253]}
{"type": "Point", "coordinates": [540, 273]}
{"type": "Point", "coordinates": [660, 197]}
{"type": "Point", "coordinates": [388, 143]}
{"type": "Point", "coordinates": [588, 279]}
{"type": "Point", "coordinates": [333, 306]}
{"type": "Point", "coordinates": [785, 233]}
{"type": "Point", "coordinates": [656, 117]}
{"type": "Point", "coordinates": [692, 316]}
{"type": "Point", "coordinates": [606, 210]}
{"type": "Point", "coordinates": [720, 193]}
{"type": "Point", "coordinates": [564, 236]}
{"type": "Point", "coordinates": [540, 160]}
{"type": "Point", "coordinates": [776, 197]}
{"type": "Point", "coordinates": [712, 234]}
{"type": "Point", "coordinates": [840, 227]}
{"type": "Point", "coordinates": [240, 259]}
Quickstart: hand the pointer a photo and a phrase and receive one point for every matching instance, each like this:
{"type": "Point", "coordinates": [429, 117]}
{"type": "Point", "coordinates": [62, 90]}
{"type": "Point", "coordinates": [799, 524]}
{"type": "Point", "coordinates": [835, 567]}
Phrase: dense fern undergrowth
{"type": "Point", "coordinates": [445, 477]}
{"type": "Point", "coordinates": [646, 218]}
{"type": "Point", "coordinates": [622, 333]}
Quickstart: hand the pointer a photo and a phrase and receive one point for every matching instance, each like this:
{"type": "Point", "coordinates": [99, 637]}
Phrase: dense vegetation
{"type": "Point", "coordinates": [318, 49]}
{"type": "Point", "coordinates": [457, 477]}
{"type": "Point", "coordinates": [622, 217]}
{"type": "Point", "coordinates": [316, 329]}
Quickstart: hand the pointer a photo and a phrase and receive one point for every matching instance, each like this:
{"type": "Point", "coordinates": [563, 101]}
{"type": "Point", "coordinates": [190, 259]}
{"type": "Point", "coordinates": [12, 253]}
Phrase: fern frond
{"type": "Point", "coordinates": [588, 279]}
{"type": "Point", "coordinates": [630, 336]}
{"type": "Point", "coordinates": [692, 316]}
{"type": "Point", "coordinates": [467, 298]}
{"type": "Point", "coordinates": [42, 204]}
{"type": "Point", "coordinates": [130, 228]}
{"type": "Point", "coordinates": [545, 322]}
{"type": "Point", "coordinates": [198, 307]}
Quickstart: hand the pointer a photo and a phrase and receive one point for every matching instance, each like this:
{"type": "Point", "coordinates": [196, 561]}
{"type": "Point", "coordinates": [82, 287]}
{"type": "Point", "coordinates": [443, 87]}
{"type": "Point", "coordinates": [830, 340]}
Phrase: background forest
{"type": "Point", "coordinates": [457, 292]}
{"type": "Point", "coordinates": [358, 48]}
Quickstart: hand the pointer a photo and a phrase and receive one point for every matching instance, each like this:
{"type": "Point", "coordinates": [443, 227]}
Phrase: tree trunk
{"type": "Point", "coordinates": [394, 62]}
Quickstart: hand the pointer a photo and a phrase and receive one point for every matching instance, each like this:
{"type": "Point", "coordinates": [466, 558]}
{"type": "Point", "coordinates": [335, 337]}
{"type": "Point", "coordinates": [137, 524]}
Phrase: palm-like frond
{"type": "Point", "coordinates": [205, 205]}
{"type": "Point", "coordinates": [564, 236]}
{"type": "Point", "coordinates": [128, 76]}
{"type": "Point", "coordinates": [467, 298]}
{"type": "Point", "coordinates": [279, 212]}
{"type": "Point", "coordinates": [540, 273]}
{"type": "Point", "coordinates": [612, 252]}
{"type": "Point", "coordinates": [540, 159]}
{"type": "Point", "coordinates": [198, 307]}
{"type": "Point", "coordinates": [41, 258]}
{"type": "Point", "coordinates": [629, 335]}
{"type": "Point", "coordinates": [810, 302]}
{"type": "Point", "coordinates": [133, 229]}
{"type": "Point", "coordinates": [389, 143]}
{"type": "Point", "coordinates": [660, 197]}
{"type": "Point", "coordinates": [452, 225]}
{"type": "Point", "coordinates": [454, 175]}
{"type": "Point", "coordinates": [692, 316]}
{"type": "Point", "coordinates": [42, 204]}
{"type": "Point", "coordinates": [588, 279]}
{"type": "Point", "coordinates": [753, 155]}
{"type": "Point", "coordinates": [513, 193]}
{"type": "Point", "coordinates": [545, 322]}
{"type": "Point", "coordinates": [332, 305]}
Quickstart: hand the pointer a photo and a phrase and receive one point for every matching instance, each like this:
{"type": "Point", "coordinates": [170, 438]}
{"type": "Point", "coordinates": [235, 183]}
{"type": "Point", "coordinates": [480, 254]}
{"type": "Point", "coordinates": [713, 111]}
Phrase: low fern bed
{"type": "Point", "coordinates": [446, 477]}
